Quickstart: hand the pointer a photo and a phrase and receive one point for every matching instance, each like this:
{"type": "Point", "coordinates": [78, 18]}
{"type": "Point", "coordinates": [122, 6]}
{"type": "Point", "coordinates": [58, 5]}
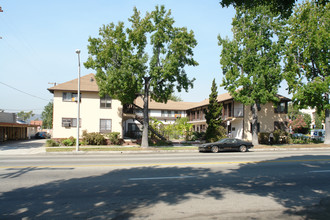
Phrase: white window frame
{"type": "Point", "coordinates": [105, 128]}
{"type": "Point", "coordinates": [106, 102]}
{"type": "Point", "coordinates": [70, 97]}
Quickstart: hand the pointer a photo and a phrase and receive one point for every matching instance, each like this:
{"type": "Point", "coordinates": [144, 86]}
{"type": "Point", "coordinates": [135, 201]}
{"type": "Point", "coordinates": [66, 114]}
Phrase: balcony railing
{"type": "Point", "coordinates": [197, 119]}
{"type": "Point", "coordinates": [238, 112]}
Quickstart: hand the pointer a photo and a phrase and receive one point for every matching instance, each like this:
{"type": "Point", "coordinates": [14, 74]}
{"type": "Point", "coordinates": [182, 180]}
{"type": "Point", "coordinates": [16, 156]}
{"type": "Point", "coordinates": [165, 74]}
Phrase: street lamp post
{"type": "Point", "coordinates": [78, 117]}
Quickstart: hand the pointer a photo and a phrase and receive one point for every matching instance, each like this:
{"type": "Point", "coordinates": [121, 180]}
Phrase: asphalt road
{"type": "Point", "coordinates": [229, 185]}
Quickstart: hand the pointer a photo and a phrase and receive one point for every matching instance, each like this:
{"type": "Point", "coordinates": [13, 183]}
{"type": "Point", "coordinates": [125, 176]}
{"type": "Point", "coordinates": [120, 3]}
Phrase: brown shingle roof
{"type": "Point", "coordinates": [170, 105]}
{"type": "Point", "coordinates": [87, 83]}
{"type": "Point", "coordinates": [220, 98]}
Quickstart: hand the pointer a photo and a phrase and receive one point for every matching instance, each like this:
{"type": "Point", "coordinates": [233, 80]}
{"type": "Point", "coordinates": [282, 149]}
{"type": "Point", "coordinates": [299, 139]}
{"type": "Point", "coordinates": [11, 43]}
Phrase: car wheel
{"type": "Point", "coordinates": [215, 149]}
{"type": "Point", "coordinates": [242, 148]}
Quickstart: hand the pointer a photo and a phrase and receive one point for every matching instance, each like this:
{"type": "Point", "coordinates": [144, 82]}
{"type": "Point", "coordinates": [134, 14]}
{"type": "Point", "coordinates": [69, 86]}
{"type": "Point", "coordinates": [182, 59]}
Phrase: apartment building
{"type": "Point", "coordinates": [104, 114]}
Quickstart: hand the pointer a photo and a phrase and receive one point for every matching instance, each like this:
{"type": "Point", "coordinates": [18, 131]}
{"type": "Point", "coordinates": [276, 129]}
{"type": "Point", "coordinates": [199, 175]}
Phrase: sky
{"type": "Point", "coordinates": [39, 40]}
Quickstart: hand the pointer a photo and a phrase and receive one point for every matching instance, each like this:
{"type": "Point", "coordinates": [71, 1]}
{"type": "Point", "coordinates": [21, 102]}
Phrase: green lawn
{"type": "Point", "coordinates": [111, 148]}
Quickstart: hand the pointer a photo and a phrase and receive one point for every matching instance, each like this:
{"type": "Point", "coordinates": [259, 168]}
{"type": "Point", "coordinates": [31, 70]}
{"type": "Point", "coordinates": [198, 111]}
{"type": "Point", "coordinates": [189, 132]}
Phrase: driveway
{"type": "Point", "coordinates": [23, 147]}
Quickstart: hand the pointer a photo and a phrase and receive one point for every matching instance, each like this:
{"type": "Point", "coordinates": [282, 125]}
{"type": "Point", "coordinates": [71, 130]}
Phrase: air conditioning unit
{"type": "Point", "coordinates": [66, 124]}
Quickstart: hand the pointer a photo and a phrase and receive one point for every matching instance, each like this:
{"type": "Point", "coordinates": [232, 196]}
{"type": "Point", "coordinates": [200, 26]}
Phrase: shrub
{"type": "Point", "coordinates": [52, 143]}
{"type": "Point", "coordinates": [280, 137]}
{"type": "Point", "coordinates": [160, 143]}
{"type": "Point", "coordinates": [93, 138]}
{"type": "Point", "coordinates": [71, 141]}
{"type": "Point", "coordinates": [114, 138]}
{"type": "Point", "coordinates": [198, 136]}
{"type": "Point", "coordinates": [300, 141]}
{"type": "Point", "coordinates": [263, 138]}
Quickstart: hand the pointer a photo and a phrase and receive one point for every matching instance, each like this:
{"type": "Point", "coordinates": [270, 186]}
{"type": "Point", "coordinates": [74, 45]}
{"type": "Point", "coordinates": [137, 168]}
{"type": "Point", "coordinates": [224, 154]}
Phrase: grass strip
{"type": "Point", "coordinates": [69, 149]}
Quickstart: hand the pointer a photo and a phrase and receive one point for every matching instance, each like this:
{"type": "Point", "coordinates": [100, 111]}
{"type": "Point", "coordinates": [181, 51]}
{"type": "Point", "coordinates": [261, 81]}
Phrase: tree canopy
{"type": "Point", "coordinates": [25, 115]}
{"type": "Point", "coordinates": [251, 60]}
{"type": "Point", "coordinates": [307, 58]}
{"type": "Point", "coordinates": [47, 116]}
{"type": "Point", "coordinates": [278, 6]}
{"type": "Point", "coordinates": [146, 58]}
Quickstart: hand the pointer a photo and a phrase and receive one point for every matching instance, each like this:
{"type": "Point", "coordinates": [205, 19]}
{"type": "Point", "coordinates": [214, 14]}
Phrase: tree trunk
{"type": "Point", "coordinates": [327, 124]}
{"type": "Point", "coordinates": [255, 124]}
{"type": "Point", "coordinates": [144, 142]}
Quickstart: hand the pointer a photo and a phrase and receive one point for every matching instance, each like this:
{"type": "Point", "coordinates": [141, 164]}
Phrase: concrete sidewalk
{"type": "Point", "coordinates": [24, 147]}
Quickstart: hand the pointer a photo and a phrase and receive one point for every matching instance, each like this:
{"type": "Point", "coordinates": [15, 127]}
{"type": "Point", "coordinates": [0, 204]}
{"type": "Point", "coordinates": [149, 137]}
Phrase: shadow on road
{"type": "Point", "coordinates": [21, 171]}
{"type": "Point", "coordinates": [23, 143]}
{"type": "Point", "coordinates": [110, 195]}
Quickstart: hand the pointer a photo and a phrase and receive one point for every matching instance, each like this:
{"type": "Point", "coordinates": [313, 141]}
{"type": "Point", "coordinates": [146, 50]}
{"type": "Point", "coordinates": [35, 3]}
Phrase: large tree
{"type": "Point", "coordinates": [47, 116]}
{"type": "Point", "coordinates": [213, 115]}
{"type": "Point", "coordinates": [251, 60]}
{"type": "Point", "coordinates": [282, 6]}
{"type": "Point", "coordinates": [25, 115]}
{"type": "Point", "coordinates": [307, 58]}
{"type": "Point", "coordinates": [146, 58]}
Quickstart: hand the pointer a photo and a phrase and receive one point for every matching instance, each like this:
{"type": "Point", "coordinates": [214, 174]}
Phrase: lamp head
{"type": "Point", "coordinates": [78, 51]}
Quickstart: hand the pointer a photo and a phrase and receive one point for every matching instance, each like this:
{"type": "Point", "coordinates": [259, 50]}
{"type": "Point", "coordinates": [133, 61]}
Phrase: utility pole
{"type": "Point", "coordinates": [78, 117]}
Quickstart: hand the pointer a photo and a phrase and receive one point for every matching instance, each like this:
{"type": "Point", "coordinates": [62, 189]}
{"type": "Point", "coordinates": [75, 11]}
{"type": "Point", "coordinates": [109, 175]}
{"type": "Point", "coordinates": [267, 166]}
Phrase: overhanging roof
{"type": "Point", "coordinates": [87, 84]}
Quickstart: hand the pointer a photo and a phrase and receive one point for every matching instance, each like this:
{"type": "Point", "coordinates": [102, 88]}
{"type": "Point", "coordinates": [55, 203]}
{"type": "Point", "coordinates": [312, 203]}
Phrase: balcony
{"type": "Point", "coordinates": [237, 113]}
{"type": "Point", "coordinates": [197, 119]}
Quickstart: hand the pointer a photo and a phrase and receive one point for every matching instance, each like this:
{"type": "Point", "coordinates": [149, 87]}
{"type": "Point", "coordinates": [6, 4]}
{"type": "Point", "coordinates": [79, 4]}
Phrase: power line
{"type": "Point", "coordinates": [1, 11]}
{"type": "Point", "coordinates": [23, 92]}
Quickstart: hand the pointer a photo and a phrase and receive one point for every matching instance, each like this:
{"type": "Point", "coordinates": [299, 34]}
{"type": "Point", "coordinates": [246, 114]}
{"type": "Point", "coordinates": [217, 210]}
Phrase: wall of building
{"type": "Point", "coordinates": [90, 114]}
{"type": "Point", "coordinates": [7, 117]}
{"type": "Point", "coordinates": [237, 128]}
{"type": "Point", "coordinates": [266, 118]}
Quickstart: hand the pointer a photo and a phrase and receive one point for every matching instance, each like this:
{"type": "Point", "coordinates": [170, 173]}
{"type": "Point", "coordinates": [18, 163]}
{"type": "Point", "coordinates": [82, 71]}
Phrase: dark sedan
{"type": "Point", "coordinates": [226, 144]}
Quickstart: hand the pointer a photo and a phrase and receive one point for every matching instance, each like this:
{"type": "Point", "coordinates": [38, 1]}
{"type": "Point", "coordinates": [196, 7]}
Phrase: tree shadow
{"type": "Point", "coordinates": [119, 193]}
{"type": "Point", "coordinates": [21, 171]}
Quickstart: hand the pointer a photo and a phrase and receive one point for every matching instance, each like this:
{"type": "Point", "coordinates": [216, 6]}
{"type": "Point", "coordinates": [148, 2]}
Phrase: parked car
{"type": "Point", "coordinates": [226, 144]}
{"type": "Point", "coordinates": [299, 136]}
{"type": "Point", "coordinates": [42, 135]}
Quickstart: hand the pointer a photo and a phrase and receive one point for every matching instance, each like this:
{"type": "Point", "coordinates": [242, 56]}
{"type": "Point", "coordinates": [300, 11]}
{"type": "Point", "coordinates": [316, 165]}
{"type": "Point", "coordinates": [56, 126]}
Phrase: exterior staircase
{"type": "Point", "coordinates": [130, 109]}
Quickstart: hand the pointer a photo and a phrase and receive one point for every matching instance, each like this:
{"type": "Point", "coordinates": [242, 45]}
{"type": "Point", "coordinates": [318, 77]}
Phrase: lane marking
{"type": "Point", "coordinates": [320, 171]}
{"type": "Point", "coordinates": [162, 178]}
{"type": "Point", "coordinates": [163, 164]}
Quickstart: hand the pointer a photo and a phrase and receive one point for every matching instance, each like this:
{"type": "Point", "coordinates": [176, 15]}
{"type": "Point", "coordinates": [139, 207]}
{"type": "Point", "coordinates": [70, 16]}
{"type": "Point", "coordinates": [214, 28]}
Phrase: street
{"type": "Point", "coordinates": [228, 185]}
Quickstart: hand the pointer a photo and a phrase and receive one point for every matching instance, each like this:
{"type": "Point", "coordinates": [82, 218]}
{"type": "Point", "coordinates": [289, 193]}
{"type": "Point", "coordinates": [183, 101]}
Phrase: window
{"type": "Point", "coordinates": [70, 122]}
{"type": "Point", "coordinates": [105, 102]}
{"type": "Point", "coordinates": [70, 97]}
{"type": "Point", "coordinates": [105, 125]}
{"type": "Point", "coordinates": [281, 107]}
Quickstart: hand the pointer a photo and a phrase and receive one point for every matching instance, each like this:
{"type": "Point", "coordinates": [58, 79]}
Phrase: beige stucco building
{"type": "Point", "coordinates": [106, 115]}
{"type": "Point", "coordinates": [237, 117]}
{"type": "Point", "coordinates": [96, 114]}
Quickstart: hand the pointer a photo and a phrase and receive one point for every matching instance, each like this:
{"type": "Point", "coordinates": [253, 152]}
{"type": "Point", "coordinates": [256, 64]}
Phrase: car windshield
{"type": "Point", "coordinates": [223, 140]}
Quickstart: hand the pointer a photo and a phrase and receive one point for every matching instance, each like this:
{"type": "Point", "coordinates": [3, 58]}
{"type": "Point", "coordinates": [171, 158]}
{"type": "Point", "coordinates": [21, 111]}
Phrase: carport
{"type": "Point", "coordinates": [15, 131]}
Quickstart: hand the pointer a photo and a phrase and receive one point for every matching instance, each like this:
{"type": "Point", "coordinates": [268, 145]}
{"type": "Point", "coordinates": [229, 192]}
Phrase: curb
{"type": "Point", "coordinates": [174, 151]}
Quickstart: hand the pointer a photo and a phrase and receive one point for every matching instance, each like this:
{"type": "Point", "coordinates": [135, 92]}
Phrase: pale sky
{"type": "Point", "coordinates": [39, 39]}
